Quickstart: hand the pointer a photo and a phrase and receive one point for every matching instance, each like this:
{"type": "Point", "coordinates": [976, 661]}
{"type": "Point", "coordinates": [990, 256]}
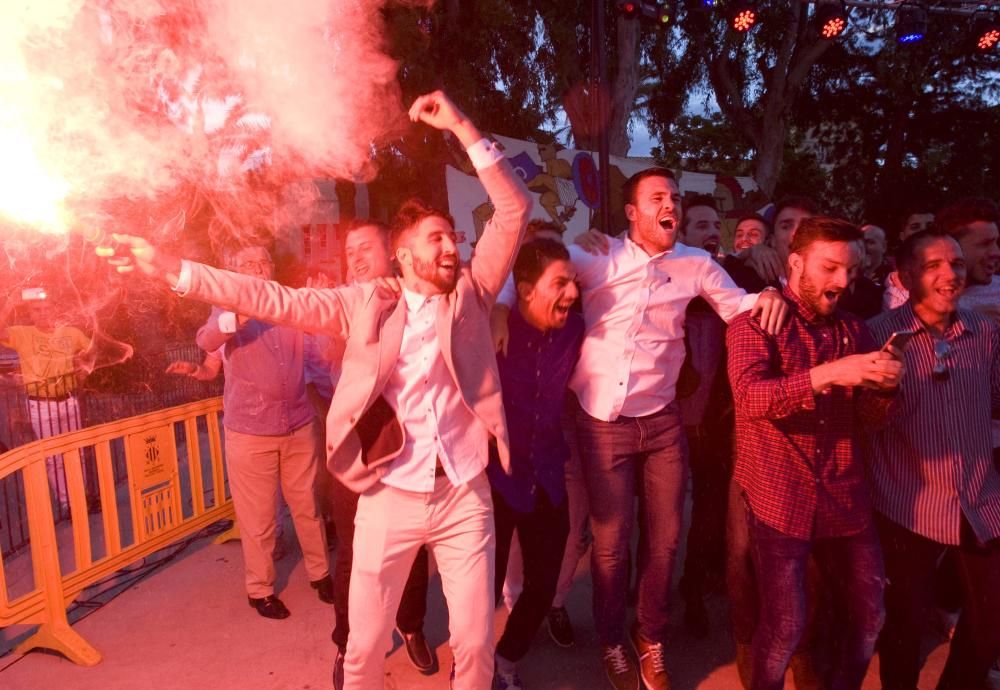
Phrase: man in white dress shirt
{"type": "Point", "coordinates": [628, 426]}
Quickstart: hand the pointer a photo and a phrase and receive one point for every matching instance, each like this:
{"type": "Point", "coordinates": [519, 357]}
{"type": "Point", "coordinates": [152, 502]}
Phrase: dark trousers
{"type": "Point", "coordinates": [710, 452]}
{"type": "Point", "coordinates": [911, 562]}
{"type": "Point", "coordinates": [542, 535]}
{"type": "Point", "coordinates": [412, 608]}
{"type": "Point", "coordinates": [853, 571]}
{"type": "Point", "coordinates": [741, 581]}
{"type": "Point", "coordinates": [620, 459]}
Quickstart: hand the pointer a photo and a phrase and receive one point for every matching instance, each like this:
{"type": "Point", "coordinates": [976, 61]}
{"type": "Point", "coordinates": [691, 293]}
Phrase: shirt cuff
{"type": "Point", "coordinates": [183, 279]}
{"type": "Point", "coordinates": [484, 153]}
{"type": "Point", "coordinates": [227, 322]}
{"type": "Point", "coordinates": [800, 391]}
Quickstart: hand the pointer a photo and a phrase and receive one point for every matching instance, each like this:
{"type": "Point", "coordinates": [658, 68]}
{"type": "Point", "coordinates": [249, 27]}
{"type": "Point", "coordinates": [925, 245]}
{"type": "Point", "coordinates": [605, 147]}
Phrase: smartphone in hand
{"type": "Point", "coordinates": [898, 341]}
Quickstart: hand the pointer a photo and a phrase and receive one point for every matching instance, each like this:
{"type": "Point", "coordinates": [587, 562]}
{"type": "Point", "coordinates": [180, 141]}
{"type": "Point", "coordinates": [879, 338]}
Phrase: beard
{"type": "Point", "coordinates": [811, 294]}
{"type": "Point", "coordinates": [440, 278]}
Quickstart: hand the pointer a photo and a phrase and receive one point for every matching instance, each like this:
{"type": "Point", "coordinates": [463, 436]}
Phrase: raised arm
{"type": "Point", "coordinates": [497, 248]}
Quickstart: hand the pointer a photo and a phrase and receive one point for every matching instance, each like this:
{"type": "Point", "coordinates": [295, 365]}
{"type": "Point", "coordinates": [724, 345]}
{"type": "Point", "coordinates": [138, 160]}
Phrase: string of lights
{"type": "Point", "coordinates": [831, 18]}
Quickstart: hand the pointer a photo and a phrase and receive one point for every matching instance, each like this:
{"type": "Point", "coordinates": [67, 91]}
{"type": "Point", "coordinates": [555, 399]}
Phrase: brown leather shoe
{"type": "Point", "coordinates": [620, 668]}
{"type": "Point", "coordinates": [420, 653]}
{"type": "Point", "coordinates": [652, 662]}
{"type": "Point", "coordinates": [270, 607]}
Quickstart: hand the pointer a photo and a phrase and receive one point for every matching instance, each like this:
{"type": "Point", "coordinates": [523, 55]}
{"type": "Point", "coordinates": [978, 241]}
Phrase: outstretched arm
{"type": "Point", "coordinates": [308, 309]}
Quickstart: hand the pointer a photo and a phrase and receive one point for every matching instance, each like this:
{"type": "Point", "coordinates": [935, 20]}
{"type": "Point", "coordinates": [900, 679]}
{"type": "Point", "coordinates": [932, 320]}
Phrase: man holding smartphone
{"type": "Point", "coordinates": [800, 394]}
{"type": "Point", "coordinates": [936, 489]}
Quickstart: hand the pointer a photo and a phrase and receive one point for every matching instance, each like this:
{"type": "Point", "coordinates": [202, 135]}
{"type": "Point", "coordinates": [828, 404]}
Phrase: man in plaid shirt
{"type": "Point", "coordinates": [801, 396]}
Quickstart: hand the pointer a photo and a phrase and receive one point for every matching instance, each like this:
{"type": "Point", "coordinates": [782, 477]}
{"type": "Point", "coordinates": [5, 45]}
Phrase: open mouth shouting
{"type": "Point", "coordinates": [361, 270]}
{"type": "Point", "coordinates": [832, 296]}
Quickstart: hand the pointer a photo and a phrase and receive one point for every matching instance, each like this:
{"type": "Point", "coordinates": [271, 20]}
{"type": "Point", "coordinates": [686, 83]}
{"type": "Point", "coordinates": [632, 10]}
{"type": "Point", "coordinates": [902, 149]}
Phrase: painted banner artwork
{"type": "Point", "coordinates": [565, 186]}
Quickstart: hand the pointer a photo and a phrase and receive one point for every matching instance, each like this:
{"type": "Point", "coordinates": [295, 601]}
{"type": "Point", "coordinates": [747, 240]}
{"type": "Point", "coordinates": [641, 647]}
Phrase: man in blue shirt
{"type": "Point", "coordinates": [544, 344]}
{"type": "Point", "coordinates": [271, 438]}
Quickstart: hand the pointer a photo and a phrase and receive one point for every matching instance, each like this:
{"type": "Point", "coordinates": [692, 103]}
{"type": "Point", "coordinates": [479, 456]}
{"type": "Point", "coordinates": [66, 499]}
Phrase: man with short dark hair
{"type": "Point", "coordinates": [895, 294]}
{"type": "Point", "coordinates": [544, 343]}
{"type": "Point", "coordinates": [789, 213]}
{"type": "Point", "coordinates": [799, 395]}
{"type": "Point", "coordinates": [368, 256]}
{"type": "Point", "coordinates": [770, 261]}
{"type": "Point", "coordinates": [916, 221]}
{"type": "Point", "coordinates": [419, 398]}
{"type": "Point", "coordinates": [972, 221]}
{"type": "Point", "coordinates": [628, 425]}
{"type": "Point", "coordinates": [751, 230]}
{"type": "Point", "coordinates": [936, 488]}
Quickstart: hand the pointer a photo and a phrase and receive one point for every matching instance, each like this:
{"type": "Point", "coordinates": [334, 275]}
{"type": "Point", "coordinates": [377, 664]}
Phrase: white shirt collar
{"type": "Point", "coordinates": [414, 300]}
{"type": "Point", "coordinates": [636, 251]}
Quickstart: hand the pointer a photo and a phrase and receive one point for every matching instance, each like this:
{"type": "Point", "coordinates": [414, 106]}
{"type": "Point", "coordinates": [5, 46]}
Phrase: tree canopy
{"type": "Point", "coordinates": [864, 124]}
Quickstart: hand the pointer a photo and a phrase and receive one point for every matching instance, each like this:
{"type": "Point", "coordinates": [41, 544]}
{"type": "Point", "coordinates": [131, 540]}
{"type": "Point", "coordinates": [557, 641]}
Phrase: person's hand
{"type": "Point", "coordinates": [499, 328]}
{"type": "Point", "coordinates": [765, 261]}
{"type": "Point", "coordinates": [388, 287]}
{"type": "Point", "coordinates": [593, 241]}
{"type": "Point", "coordinates": [437, 110]}
{"type": "Point", "coordinates": [182, 368]}
{"type": "Point", "coordinates": [772, 309]}
{"type": "Point", "coordinates": [144, 256]}
{"type": "Point", "coordinates": [877, 370]}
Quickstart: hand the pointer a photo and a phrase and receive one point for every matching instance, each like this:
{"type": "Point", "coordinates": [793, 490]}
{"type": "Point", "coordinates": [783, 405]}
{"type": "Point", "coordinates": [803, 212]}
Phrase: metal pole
{"type": "Point", "coordinates": [599, 71]}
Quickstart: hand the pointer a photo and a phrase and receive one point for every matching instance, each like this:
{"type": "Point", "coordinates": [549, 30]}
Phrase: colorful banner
{"type": "Point", "coordinates": [565, 186]}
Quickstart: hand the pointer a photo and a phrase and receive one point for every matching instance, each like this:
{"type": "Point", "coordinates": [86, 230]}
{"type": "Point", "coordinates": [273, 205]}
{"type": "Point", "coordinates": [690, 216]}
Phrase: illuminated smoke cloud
{"type": "Point", "coordinates": [120, 112]}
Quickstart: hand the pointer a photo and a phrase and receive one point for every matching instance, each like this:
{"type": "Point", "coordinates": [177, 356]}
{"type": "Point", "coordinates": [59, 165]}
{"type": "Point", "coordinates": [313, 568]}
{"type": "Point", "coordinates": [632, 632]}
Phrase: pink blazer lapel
{"type": "Point", "coordinates": [391, 322]}
{"type": "Point", "coordinates": [445, 318]}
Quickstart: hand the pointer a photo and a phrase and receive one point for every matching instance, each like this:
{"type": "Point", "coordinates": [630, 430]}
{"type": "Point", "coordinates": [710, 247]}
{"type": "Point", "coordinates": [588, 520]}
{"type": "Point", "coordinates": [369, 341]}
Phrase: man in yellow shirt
{"type": "Point", "coordinates": [51, 355]}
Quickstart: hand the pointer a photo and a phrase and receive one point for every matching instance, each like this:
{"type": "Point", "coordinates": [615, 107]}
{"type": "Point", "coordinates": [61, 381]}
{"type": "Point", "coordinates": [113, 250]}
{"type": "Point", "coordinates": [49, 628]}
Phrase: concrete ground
{"type": "Point", "coordinates": [189, 626]}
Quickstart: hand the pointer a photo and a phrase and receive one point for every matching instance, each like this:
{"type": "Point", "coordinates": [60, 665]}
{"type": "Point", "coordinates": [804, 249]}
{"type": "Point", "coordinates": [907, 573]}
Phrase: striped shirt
{"type": "Point", "coordinates": [797, 456]}
{"type": "Point", "coordinates": [933, 461]}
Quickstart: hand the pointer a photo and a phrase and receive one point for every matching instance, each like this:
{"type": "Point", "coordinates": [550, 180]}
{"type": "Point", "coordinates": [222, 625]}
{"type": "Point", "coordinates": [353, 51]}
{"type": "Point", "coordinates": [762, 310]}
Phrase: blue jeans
{"type": "Point", "coordinates": [852, 569]}
{"type": "Point", "coordinates": [631, 456]}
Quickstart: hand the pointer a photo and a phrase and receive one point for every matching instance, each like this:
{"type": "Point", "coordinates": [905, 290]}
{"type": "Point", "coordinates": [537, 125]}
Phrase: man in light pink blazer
{"type": "Point", "coordinates": [415, 409]}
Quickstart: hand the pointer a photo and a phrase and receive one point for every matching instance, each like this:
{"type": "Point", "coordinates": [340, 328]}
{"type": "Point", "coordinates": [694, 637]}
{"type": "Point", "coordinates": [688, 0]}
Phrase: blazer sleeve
{"type": "Point", "coordinates": [314, 310]}
{"type": "Point", "coordinates": [497, 248]}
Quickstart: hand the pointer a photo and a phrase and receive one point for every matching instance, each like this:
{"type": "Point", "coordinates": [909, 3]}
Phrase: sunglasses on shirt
{"type": "Point", "coordinates": [942, 351]}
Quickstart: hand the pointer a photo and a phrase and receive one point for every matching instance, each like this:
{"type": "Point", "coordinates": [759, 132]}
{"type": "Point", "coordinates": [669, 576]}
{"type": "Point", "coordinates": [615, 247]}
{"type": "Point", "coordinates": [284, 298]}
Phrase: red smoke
{"type": "Point", "coordinates": [116, 113]}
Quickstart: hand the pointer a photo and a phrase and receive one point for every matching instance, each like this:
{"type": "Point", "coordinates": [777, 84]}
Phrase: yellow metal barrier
{"type": "Point", "coordinates": [158, 516]}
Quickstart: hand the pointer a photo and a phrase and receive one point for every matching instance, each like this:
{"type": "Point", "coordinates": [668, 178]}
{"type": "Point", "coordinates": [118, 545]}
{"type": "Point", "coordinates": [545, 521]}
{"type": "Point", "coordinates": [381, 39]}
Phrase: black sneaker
{"type": "Point", "coordinates": [560, 627]}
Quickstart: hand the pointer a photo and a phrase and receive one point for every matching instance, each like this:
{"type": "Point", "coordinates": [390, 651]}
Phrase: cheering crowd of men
{"type": "Point", "coordinates": [840, 451]}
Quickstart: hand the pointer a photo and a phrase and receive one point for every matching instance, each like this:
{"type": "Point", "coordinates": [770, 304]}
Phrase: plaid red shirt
{"type": "Point", "coordinates": [797, 455]}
